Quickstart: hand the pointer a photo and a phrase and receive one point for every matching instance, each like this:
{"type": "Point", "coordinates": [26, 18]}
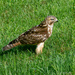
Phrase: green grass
{"type": "Point", "coordinates": [58, 57]}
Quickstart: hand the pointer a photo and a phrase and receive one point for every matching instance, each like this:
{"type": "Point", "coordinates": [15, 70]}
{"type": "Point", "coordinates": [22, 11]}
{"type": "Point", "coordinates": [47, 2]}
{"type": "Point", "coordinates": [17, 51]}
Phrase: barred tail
{"type": "Point", "coordinates": [11, 45]}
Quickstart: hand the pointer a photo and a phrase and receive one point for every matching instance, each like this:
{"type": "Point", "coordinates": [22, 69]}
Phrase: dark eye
{"type": "Point", "coordinates": [52, 19]}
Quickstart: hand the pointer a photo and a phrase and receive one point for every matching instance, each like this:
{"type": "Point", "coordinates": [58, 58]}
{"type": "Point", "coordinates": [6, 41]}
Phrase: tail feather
{"type": "Point", "coordinates": [12, 44]}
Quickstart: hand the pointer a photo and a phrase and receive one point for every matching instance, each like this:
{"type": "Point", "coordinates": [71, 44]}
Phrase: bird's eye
{"type": "Point", "coordinates": [52, 19]}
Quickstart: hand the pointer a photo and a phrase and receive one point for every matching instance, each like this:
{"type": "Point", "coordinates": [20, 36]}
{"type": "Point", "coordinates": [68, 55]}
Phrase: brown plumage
{"type": "Point", "coordinates": [12, 44]}
{"type": "Point", "coordinates": [36, 35]}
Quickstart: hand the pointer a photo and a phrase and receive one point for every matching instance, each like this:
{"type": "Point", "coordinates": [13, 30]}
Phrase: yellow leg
{"type": "Point", "coordinates": [39, 48]}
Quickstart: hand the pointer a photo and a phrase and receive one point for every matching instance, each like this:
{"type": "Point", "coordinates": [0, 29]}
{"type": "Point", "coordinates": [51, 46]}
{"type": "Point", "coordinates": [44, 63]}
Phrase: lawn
{"type": "Point", "coordinates": [58, 57]}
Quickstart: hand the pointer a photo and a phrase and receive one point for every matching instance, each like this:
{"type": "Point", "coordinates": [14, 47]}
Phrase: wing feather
{"type": "Point", "coordinates": [34, 36]}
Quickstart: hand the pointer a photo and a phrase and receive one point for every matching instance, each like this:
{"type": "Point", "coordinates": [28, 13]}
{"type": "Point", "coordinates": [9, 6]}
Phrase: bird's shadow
{"type": "Point", "coordinates": [25, 48]}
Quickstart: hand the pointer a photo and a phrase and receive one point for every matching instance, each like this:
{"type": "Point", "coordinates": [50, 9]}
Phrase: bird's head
{"type": "Point", "coordinates": [51, 20]}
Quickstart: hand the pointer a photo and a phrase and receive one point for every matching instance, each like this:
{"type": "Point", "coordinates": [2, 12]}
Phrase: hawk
{"type": "Point", "coordinates": [35, 36]}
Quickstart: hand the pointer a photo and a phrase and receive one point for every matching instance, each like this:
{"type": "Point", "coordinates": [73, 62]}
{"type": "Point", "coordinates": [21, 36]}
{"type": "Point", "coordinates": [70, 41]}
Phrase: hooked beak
{"type": "Point", "coordinates": [56, 20]}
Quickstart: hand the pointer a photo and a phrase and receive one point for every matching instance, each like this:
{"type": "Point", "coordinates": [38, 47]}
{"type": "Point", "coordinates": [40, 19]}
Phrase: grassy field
{"type": "Point", "coordinates": [58, 57]}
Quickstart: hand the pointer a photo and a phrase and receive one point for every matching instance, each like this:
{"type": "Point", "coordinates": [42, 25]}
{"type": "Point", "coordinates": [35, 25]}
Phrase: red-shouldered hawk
{"type": "Point", "coordinates": [35, 36]}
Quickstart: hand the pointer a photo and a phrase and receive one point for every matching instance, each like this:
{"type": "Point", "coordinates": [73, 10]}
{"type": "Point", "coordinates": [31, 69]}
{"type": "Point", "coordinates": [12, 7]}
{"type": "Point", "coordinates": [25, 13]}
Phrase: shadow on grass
{"type": "Point", "coordinates": [25, 48]}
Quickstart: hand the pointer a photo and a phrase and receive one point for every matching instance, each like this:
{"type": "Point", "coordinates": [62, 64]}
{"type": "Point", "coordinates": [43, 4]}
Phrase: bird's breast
{"type": "Point", "coordinates": [50, 27]}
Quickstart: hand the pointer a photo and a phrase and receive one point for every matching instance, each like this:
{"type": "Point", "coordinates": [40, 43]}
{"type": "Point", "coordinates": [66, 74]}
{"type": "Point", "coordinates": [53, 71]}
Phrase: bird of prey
{"type": "Point", "coordinates": [35, 36]}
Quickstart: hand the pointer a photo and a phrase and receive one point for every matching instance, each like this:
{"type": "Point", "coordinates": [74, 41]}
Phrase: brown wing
{"type": "Point", "coordinates": [34, 36]}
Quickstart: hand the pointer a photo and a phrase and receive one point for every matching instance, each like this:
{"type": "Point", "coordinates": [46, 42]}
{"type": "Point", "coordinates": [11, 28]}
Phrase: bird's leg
{"type": "Point", "coordinates": [39, 48]}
